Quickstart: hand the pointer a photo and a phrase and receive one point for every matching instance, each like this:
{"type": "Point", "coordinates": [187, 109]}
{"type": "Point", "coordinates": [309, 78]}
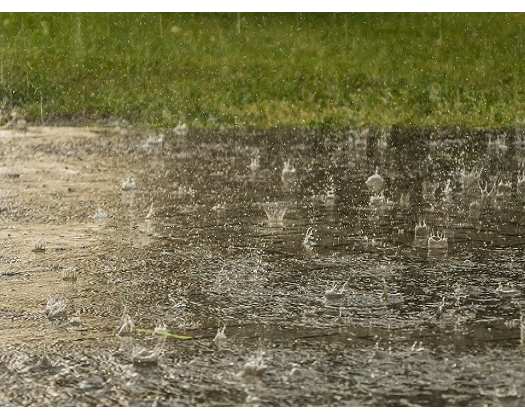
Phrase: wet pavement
{"type": "Point", "coordinates": [125, 253]}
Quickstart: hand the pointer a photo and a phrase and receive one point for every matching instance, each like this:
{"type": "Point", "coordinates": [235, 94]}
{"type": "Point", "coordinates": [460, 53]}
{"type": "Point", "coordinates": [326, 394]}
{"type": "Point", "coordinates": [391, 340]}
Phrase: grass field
{"type": "Point", "coordinates": [266, 70]}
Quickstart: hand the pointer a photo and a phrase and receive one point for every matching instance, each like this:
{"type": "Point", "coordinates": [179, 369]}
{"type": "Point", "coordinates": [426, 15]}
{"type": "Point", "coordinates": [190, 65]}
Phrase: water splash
{"type": "Point", "coordinates": [469, 181]}
{"type": "Point", "coordinates": [404, 201]}
{"type": "Point", "coordinates": [329, 195]}
{"type": "Point", "coordinates": [487, 198]}
{"type": "Point", "coordinates": [219, 207]}
{"type": "Point", "coordinates": [254, 163]}
{"type": "Point", "coordinates": [275, 213]}
{"type": "Point", "coordinates": [377, 200]}
{"type": "Point", "coordinates": [437, 244]}
{"type": "Point", "coordinates": [154, 143]}
{"type": "Point", "coordinates": [475, 209]}
{"type": "Point", "coordinates": [309, 240]}
{"type": "Point", "coordinates": [129, 184]}
{"type": "Point", "coordinates": [288, 171]}
{"type": "Point", "coordinates": [335, 293]}
{"type": "Point", "coordinates": [69, 275]}
{"type": "Point", "coordinates": [375, 183]}
{"type": "Point", "coordinates": [421, 230]}
{"type": "Point", "coordinates": [100, 215]}
{"type": "Point", "coordinates": [39, 246]}
{"type": "Point", "coordinates": [151, 212]}
{"type": "Point", "coordinates": [160, 329]}
{"type": "Point", "coordinates": [55, 308]}
{"type": "Point", "coordinates": [421, 234]}
{"type": "Point", "coordinates": [429, 191]}
{"type": "Point", "coordinates": [181, 130]}
{"type": "Point", "coordinates": [144, 356]}
{"type": "Point", "coordinates": [126, 326]}
{"type": "Point", "coordinates": [520, 185]}
{"type": "Point", "coordinates": [184, 191]}
{"type": "Point", "coordinates": [503, 189]}
{"type": "Point", "coordinates": [498, 145]}
{"type": "Point", "coordinates": [220, 338]}
{"type": "Point", "coordinates": [255, 366]}
{"type": "Point", "coordinates": [447, 192]}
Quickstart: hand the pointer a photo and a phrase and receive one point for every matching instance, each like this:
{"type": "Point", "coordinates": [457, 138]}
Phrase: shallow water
{"type": "Point", "coordinates": [404, 324]}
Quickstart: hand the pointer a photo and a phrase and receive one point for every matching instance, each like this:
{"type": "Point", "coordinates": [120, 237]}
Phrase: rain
{"type": "Point", "coordinates": [168, 253]}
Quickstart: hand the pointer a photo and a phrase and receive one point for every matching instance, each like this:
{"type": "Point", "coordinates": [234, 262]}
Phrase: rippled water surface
{"type": "Point", "coordinates": [329, 293]}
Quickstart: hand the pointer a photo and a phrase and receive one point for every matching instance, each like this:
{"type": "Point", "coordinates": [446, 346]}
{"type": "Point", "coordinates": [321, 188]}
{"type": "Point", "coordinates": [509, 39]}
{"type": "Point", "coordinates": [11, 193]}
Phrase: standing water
{"type": "Point", "coordinates": [382, 273]}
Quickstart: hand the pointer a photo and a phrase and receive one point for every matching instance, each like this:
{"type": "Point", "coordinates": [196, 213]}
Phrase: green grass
{"type": "Point", "coordinates": [278, 70]}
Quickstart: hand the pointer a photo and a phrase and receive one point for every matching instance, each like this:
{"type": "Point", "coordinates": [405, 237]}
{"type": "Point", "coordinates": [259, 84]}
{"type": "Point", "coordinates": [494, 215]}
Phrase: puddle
{"type": "Point", "coordinates": [349, 269]}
